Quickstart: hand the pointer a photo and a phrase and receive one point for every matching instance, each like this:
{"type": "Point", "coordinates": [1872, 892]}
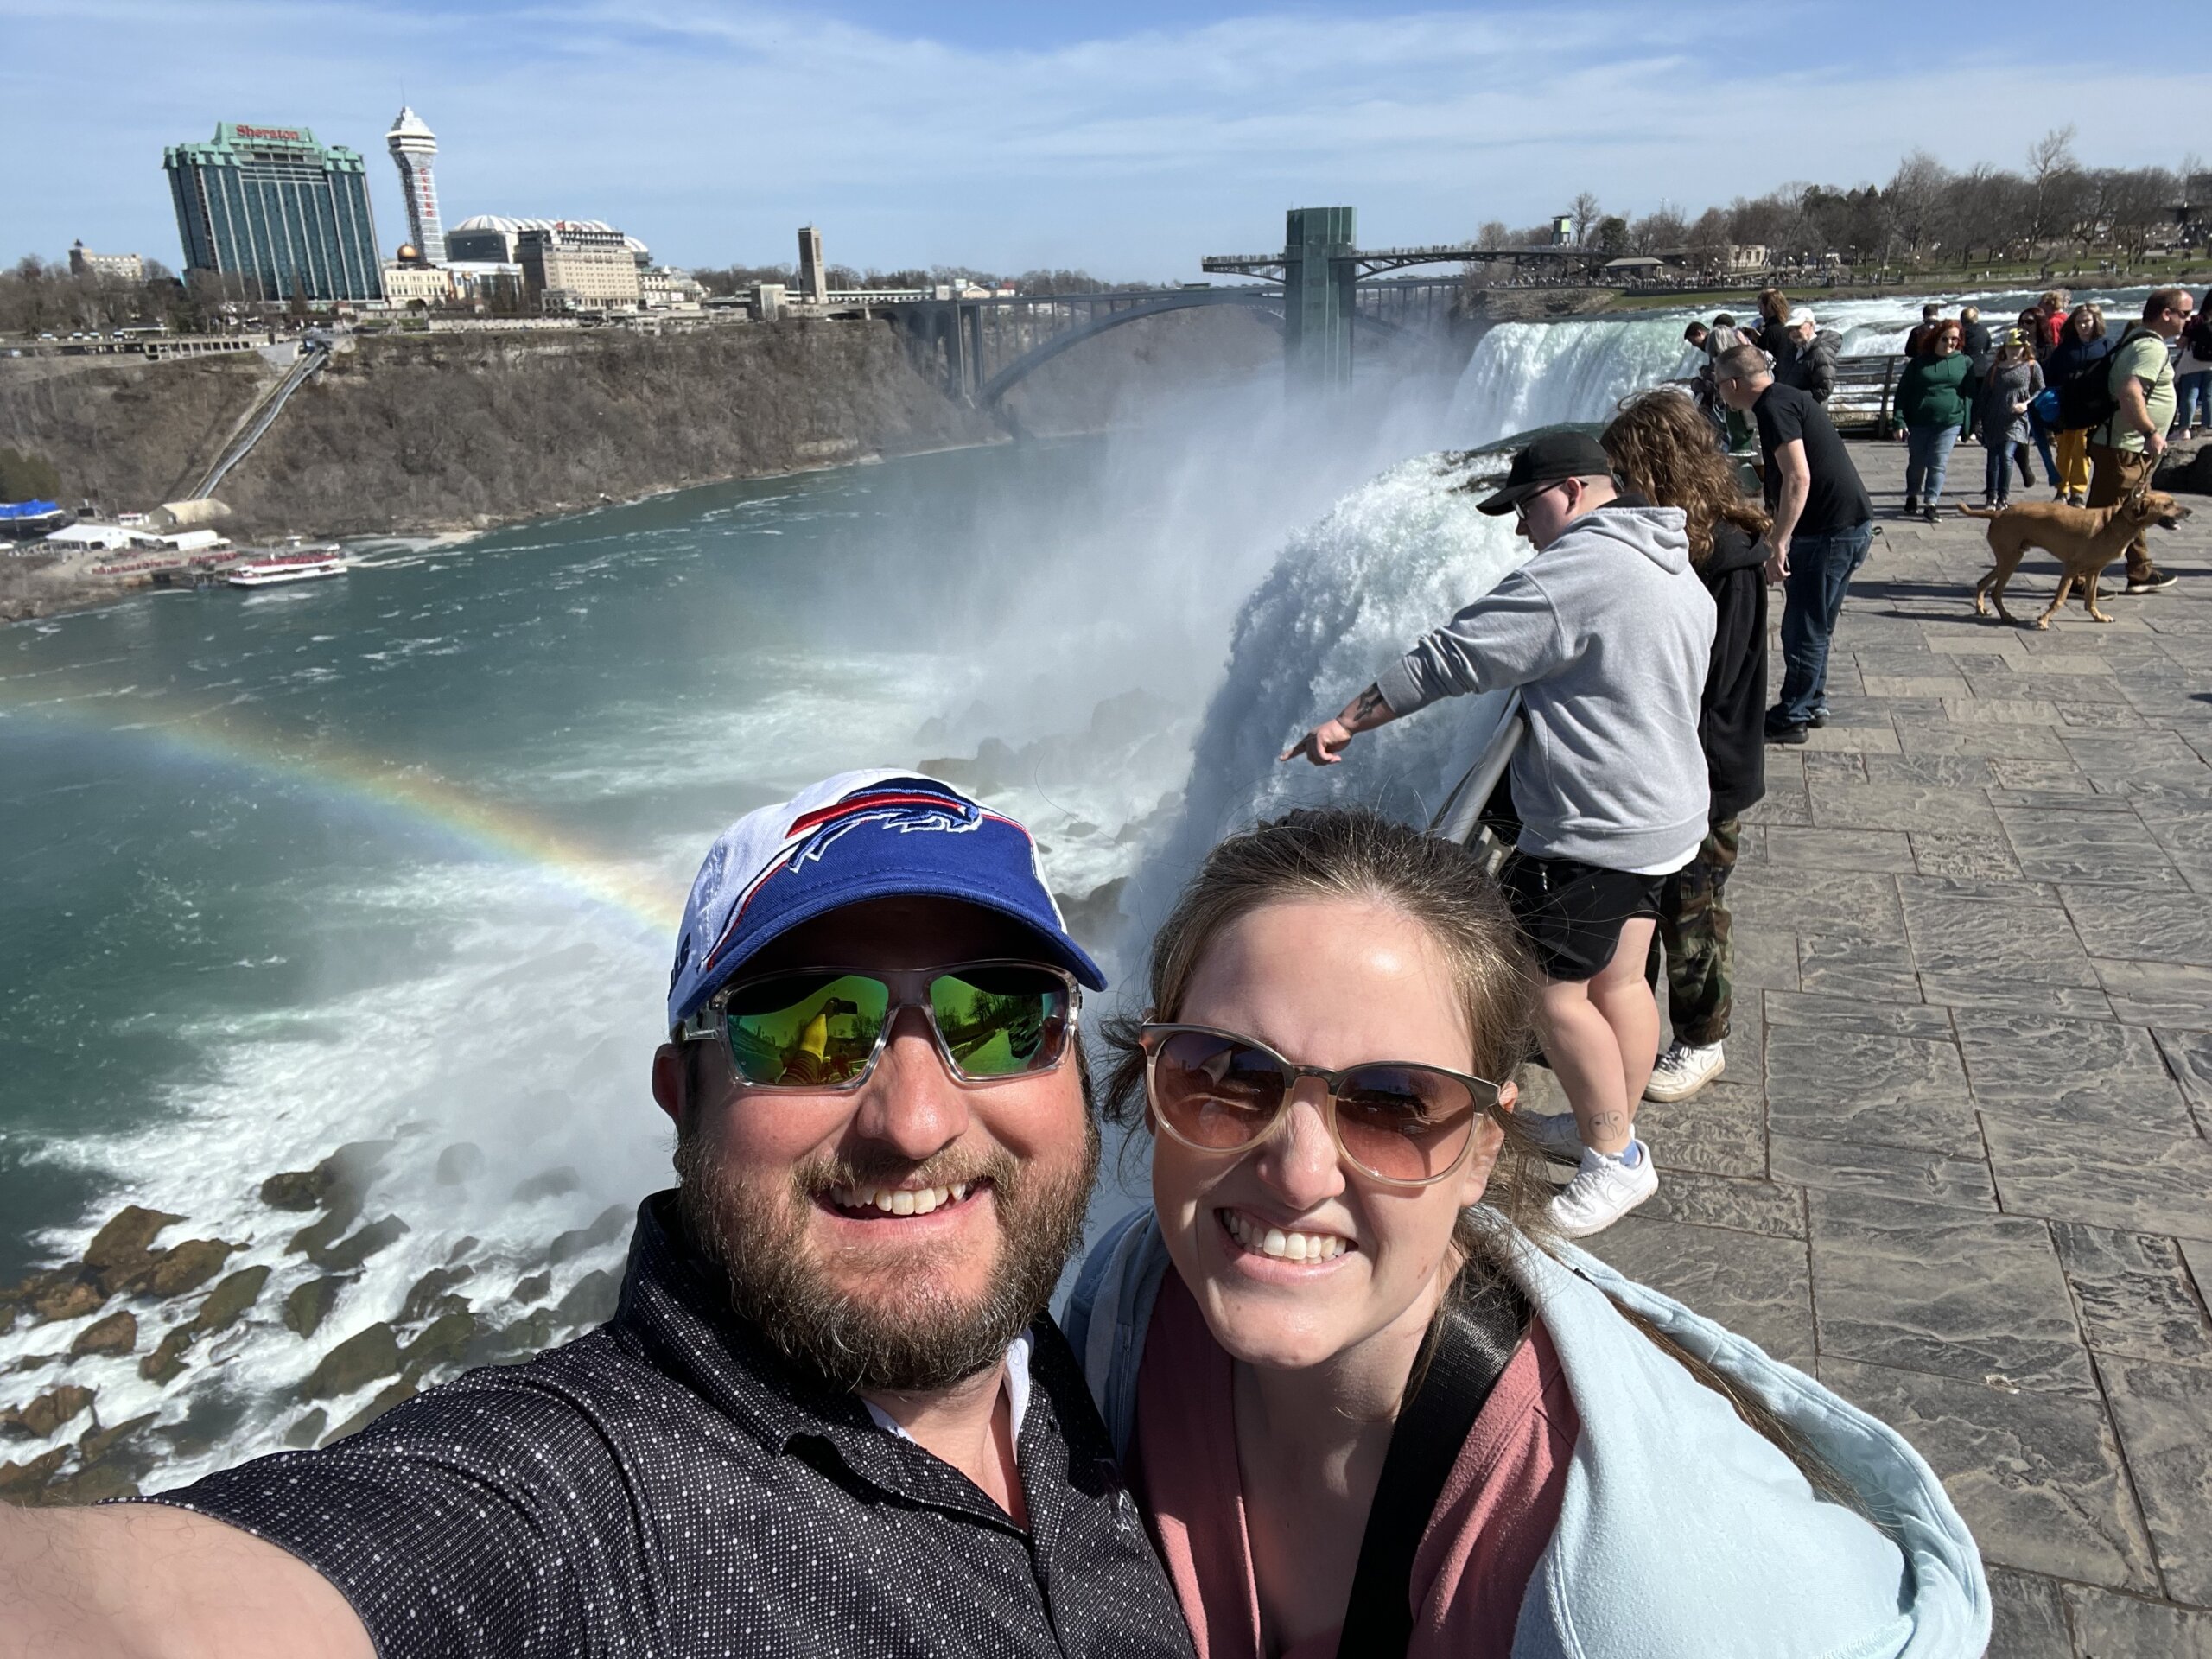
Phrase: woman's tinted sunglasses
{"type": "Point", "coordinates": [1396, 1122]}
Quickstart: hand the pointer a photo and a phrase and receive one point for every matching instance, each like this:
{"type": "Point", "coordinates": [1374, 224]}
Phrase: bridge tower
{"type": "Point", "coordinates": [1320, 273]}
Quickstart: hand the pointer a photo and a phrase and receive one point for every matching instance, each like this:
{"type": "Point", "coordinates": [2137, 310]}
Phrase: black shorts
{"type": "Point", "coordinates": [1570, 912]}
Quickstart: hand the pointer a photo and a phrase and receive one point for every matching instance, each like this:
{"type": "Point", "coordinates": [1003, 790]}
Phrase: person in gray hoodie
{"type": "Point", "coordinates": [1606, 631]}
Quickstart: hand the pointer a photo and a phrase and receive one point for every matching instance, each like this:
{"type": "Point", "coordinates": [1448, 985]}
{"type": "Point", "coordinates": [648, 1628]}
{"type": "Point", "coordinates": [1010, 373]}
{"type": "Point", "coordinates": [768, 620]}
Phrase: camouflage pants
{"type": "Point", "coordinates": [1694, 927]}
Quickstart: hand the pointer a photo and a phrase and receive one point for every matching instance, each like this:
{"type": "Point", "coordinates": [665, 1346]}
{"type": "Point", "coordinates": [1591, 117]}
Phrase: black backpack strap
{"type": "Point", "coordinates": [1467, 1349]}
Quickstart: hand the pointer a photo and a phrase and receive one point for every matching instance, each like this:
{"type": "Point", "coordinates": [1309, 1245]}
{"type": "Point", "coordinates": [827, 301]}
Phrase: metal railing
{"type": "Point", "coordinates": [1460, 817]}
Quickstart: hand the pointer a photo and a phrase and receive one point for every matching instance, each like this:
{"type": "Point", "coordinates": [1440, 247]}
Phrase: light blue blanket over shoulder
{"type": "Point", "coordinates": [1683, 1531]}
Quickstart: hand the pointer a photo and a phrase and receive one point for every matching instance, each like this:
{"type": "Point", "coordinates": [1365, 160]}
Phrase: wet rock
{"type": "Point", "coordinates": [115, 1334]}
{"type": "Point", "coordinates": [523, 1340]}
{"type": "Point", "coordinates": [462, 1247]}
{"type": "Point", "coordinates": [591, 1299]}
{"type": "Point", "coordinates": [346, 1257]}
{"type": "Point", "coordinates": [306, 1430]}
{"type": "Point", "coordinates": [446, 1337]}
{"type": "Point", "coordinates": [188, 1267]}
{"type": "Point", "coordinates": [34, 1363]}
{"type": "Point", "coordinates": [96, 1443]}
{"type": "Point", "coordinates": [613, 1223]}
{"type": "Point", "coordinates": [20, 1482]}
{"type": "Point", "coordinates": [168, 1358]}
{"type": "Point", "coordinates": [351, 1168]}
{"type": "Point", "coordinates": [401, 1390]}
{"type": "Point", "coordinates": [47, 1413]}
{"type": "Point", "coordinates": [461, 1162]}
{"type": "Point", "coordinates": [227, 1304]}
{"type": "Point", "coordinates": [1097, 913]}
{"type": "Point", "coordinates": [534, 1288]}
{"type": "Point", "coordinates": [312, 1240]}
{"type": "Point", "coordinates": [548, 1183]}
{"type": "Point", "coordinates": [430, 1291]}
{"type": "Point", "coordinates": [308, 1304]}
{"type": "Point", "coordinates": [353, 1363]}
{"type": "Point", "coordinates": [122, 1244]}
{"type": "Point", "coordinates": [95, 1484]}
{"type": "Point", "coordinates": [295, 1189]}
{"type": "Point", "coordinates": [68, 1293]}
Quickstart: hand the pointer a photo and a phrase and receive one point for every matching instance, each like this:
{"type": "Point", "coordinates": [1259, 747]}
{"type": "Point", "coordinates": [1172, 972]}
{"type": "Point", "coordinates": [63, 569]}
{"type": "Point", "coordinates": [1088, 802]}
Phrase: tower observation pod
{"type": "Point", "coordinates": [414, 147]}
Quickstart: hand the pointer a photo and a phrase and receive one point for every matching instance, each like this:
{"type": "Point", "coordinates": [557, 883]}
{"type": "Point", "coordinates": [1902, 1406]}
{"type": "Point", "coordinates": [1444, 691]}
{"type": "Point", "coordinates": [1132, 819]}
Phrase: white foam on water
{"type": "Point", "coordinates": [528, 1036]}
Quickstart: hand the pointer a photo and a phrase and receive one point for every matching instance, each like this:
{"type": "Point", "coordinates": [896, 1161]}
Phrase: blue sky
{"type": "Point", "coordinates": [1130, 139]}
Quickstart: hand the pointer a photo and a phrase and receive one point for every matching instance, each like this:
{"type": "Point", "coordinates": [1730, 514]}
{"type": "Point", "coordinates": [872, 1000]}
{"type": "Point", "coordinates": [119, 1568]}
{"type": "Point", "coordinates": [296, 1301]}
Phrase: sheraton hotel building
{"type": "Point", "coordinates": [271, 205]}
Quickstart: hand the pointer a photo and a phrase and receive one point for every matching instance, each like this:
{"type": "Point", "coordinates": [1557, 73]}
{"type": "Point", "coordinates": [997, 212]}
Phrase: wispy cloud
{"type": "Point", "coordinates": [713, 130]}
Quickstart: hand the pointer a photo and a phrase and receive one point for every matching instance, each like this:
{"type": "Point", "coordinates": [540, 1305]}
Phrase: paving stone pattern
{"type": "Point", "coordinates": [1958, 1165]}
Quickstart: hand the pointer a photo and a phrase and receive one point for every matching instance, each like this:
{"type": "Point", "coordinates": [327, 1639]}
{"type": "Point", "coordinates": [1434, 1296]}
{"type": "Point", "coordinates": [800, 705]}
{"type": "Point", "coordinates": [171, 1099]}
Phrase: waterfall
{"type": "Point", "coordinates": [1391, 560]}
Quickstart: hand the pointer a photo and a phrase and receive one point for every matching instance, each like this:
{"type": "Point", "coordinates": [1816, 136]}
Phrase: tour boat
{"type": "Point", "coordinates": [270, 570]}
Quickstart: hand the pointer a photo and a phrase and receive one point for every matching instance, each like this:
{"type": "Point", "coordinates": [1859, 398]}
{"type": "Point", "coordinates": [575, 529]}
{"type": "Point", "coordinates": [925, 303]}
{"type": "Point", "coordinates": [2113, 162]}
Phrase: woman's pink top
{"type": "Point", "coordinates": [1497, 1512]}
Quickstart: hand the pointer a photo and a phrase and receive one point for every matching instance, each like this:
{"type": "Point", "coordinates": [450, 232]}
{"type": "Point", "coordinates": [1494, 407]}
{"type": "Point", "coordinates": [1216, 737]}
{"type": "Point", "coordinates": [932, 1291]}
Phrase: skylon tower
{"type": "Point", "coordinates": [414, 147]}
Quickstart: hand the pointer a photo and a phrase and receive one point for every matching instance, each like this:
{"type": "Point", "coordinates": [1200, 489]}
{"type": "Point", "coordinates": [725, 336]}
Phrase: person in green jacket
{"type": "Point", "coordinates": [1932, 402]}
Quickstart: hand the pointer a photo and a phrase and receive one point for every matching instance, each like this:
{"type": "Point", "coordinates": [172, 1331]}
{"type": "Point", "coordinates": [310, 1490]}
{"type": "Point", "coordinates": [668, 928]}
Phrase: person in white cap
{"type": "Point", "coordinates": [830, 1414]}
{"type": "Point", "coordinates": [1808, 361]}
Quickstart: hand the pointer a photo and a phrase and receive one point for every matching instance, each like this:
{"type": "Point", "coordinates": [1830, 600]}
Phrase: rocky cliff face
{"type": "Point", "coordinates": [421, 433]}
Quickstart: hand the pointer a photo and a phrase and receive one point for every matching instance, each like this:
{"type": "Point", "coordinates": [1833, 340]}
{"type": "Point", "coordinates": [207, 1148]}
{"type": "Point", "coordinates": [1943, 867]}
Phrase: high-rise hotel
{"type": "Point", "coordinates": [272, 204]}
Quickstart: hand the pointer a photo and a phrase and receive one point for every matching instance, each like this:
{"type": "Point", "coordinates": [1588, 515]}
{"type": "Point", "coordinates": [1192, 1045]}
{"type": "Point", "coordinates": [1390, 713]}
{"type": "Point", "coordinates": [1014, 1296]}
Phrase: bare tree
{"type": "Point", "coordinates": [1912, 196]}
{"type": "Point", "coordinates": [2053, 180]}
{"type": "Point", "coordinates": [1493, 234]}
{"type": "Point", "coordinates": [1707, 240]}
{"type": "Point", "coordinates": [1585, 214]}
{"type": "Point", "coordinates": [1659, 231]}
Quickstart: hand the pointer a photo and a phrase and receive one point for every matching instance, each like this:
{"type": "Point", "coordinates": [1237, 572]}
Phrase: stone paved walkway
{"type": "Point", "coordinates": [1958, 1166]}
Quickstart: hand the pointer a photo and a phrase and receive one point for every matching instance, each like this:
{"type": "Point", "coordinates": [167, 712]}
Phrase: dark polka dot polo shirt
{"type": "Point", "coordinates": [669, 1485]}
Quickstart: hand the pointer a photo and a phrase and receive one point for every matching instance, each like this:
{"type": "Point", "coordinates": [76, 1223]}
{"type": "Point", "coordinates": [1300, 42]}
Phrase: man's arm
{"type": "Point", "coordinates": [1796, 490]}
{"type": "Point", "coordinates": [145, 1581]}
{"type": "Point", "coordinates": [1325, 745]}
{"type": "Point", "coordinates": [2135, 410]}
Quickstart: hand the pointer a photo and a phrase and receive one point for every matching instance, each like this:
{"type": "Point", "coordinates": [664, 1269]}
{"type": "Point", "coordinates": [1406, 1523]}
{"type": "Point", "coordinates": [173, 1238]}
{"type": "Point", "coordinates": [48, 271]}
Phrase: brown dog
{"type": "Point", "coordinates": [2084, 540]}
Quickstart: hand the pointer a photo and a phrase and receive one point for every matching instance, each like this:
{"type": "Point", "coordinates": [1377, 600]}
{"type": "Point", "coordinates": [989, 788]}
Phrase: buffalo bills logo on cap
{"type": "Point", "coordinates": [902, 812]}
{"type": "Point", "coordinates": [847, 840]}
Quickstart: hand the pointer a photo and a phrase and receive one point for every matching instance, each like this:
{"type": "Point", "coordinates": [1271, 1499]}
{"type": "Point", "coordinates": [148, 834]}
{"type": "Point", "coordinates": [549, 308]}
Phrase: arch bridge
{"type": "Point", "coordinates": [1321, 290]}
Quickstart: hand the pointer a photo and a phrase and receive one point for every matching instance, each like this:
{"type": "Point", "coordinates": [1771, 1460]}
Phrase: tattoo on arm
{"type": "Point", "coordinates": [1368, 703]}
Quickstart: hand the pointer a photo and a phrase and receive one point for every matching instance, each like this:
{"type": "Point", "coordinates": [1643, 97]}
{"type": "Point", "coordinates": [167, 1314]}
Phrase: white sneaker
{"type": "Point", "coordinates": [1603, 1190]}
{"type": "Point", "coordinates": [1554, 1134]}
{"type": "Point", "coordinates": [1684, 1070]}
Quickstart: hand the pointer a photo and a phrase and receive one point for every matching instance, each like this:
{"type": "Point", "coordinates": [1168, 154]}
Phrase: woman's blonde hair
{"type": "Point", "coordinates": [1662, 444]}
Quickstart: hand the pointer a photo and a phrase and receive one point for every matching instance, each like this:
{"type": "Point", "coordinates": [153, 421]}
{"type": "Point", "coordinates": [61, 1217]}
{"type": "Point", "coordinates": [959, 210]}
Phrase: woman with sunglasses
{"type": "Point", "coordinates": [1365, 1406]}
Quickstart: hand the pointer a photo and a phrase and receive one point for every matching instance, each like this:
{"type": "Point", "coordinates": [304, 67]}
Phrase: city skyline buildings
{"type": "Point", "coordinates": [414, 149]}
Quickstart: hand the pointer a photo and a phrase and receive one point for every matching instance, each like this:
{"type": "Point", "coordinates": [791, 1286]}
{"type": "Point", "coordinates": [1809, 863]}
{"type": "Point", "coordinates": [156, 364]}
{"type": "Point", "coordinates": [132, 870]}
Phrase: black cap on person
{"type": "Point", "coordinates": [1551, 458]}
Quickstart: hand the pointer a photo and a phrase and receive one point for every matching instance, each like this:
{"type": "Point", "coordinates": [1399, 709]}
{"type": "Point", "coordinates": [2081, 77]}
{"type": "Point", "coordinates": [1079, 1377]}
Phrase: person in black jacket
{"type": "Point", "coordinates": [1661, 448]}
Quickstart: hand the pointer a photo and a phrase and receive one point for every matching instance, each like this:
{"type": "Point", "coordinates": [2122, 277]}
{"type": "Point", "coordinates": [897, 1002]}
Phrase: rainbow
{"type": "Point", "coordinates": [405, 794]}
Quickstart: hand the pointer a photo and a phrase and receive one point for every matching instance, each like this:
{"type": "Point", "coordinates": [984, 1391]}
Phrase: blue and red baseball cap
{"type": "Point", "coordinates": [848, 839]}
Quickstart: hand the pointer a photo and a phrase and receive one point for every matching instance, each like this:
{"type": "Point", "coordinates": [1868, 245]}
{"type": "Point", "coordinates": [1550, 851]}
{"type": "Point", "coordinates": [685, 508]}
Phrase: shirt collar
{"type": "Point", "coordinates": [1017, 1393]}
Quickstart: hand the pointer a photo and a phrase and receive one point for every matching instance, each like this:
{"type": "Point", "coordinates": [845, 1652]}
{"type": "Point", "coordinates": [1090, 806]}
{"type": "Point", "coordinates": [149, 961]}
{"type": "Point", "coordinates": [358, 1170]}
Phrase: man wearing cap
{"type": "Point", "coordinates": [1808, 362]}
{"type": "Point", "coordinates": [830, 1416]}
{"type": "Point", "coordinates": [1606, 631]}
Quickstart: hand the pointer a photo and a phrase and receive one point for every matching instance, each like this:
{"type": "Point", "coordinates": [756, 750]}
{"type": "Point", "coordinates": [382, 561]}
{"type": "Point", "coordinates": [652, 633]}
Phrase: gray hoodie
{"type": "Point", "coordinates": [1606, 631]}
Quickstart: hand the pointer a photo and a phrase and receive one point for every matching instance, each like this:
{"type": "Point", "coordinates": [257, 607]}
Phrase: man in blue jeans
{"type": "Point", "coordinates": [1823, 524]}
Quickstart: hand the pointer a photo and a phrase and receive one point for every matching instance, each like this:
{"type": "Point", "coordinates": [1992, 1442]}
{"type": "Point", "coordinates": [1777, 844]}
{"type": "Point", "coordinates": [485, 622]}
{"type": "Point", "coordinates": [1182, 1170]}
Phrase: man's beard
{"type": "Point", "coordinates": [912, 1336]}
